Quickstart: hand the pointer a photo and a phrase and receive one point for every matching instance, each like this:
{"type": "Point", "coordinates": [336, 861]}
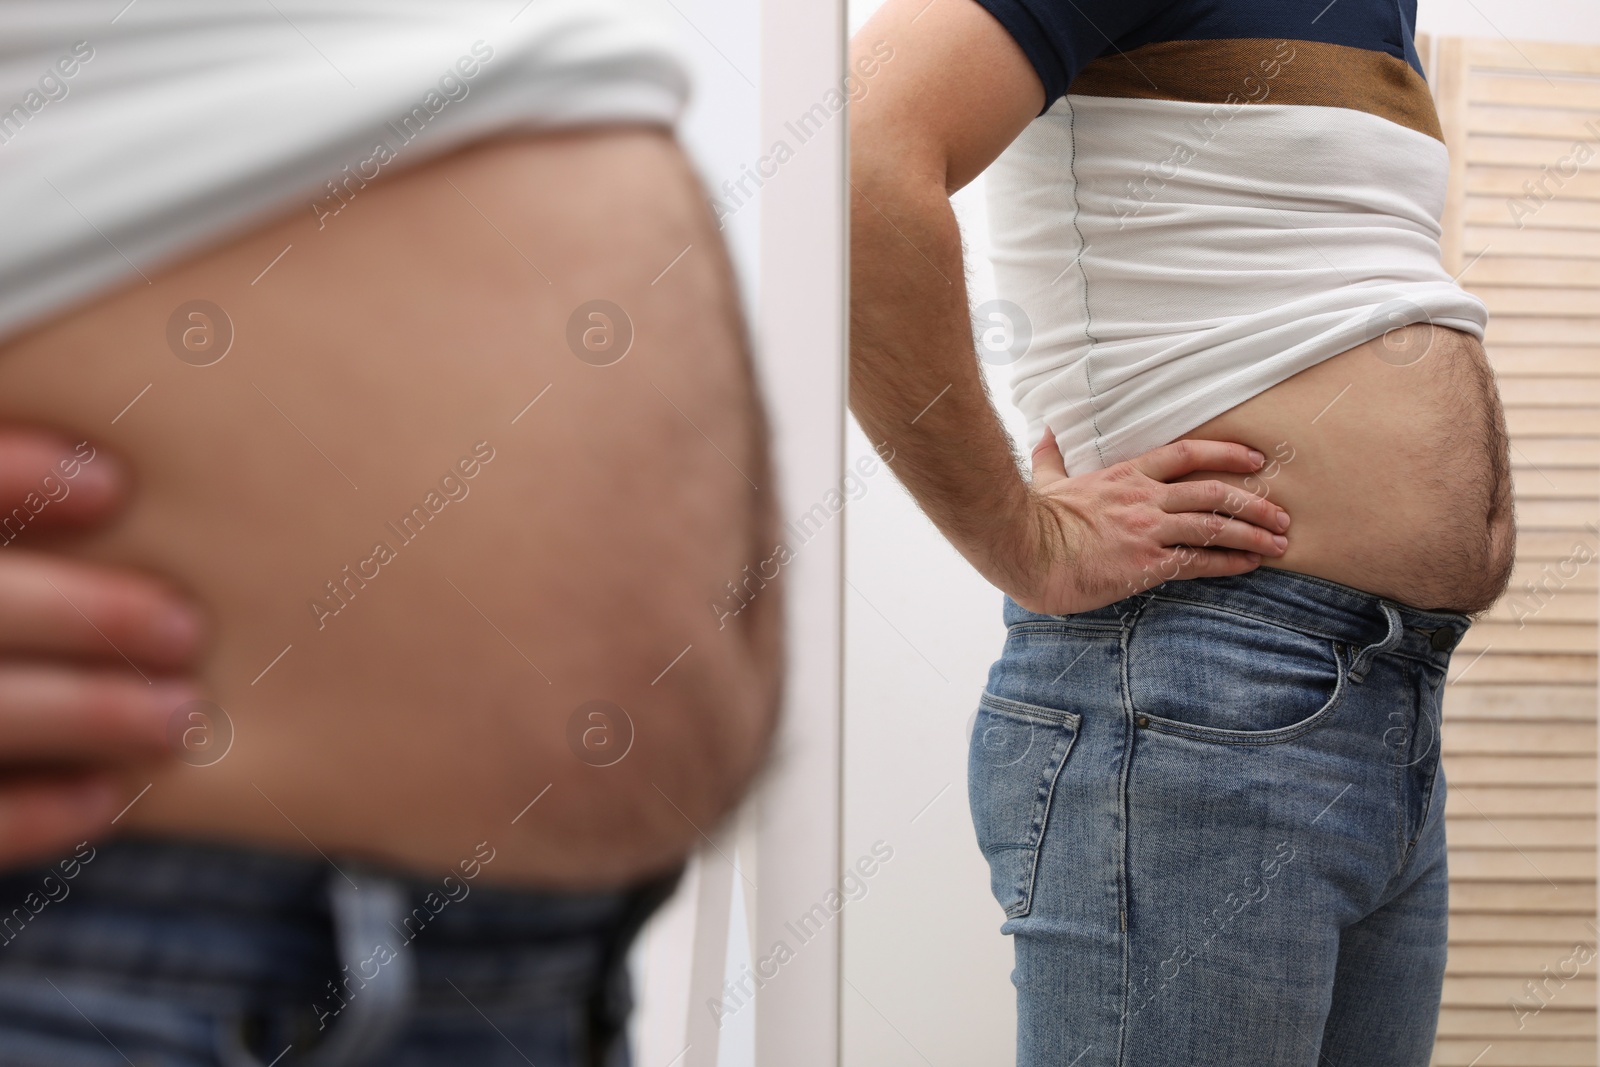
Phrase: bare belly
{"type": "Point", "coordinates": [429, 533]}
{"type": "Point", "coordinates": [1393, 463]}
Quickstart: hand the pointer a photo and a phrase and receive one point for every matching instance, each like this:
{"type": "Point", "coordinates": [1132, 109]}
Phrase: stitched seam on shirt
{"type": "Point", "coordinates": [1088, 318]}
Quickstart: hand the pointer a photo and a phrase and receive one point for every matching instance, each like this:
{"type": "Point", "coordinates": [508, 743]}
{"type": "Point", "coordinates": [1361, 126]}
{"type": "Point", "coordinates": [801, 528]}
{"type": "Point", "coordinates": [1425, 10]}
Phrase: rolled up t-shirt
{"type": "Point", "coordinates": [1218, 195]}
{"type": "Point", "coordinates": [134, 133]}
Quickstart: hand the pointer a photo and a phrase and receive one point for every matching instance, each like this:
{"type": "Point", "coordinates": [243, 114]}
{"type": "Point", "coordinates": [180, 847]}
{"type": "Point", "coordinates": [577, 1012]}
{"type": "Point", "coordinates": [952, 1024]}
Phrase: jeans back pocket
{"type": "Point", "coordinates": [1015, 757]}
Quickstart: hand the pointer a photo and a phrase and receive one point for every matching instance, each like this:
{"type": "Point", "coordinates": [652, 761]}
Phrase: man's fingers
{"type": "Point", "coordinates": [1208, 563]}
{"type": "Point", "coordinates": [1185, 457]}
{"type": "Point", "coordinates": [1206, 530]}
{"type": "Point", "coordinates": [1048, 466]}
{"type": "Point", "coordinates": [65, 607]}
{"type": "Point", "coordinates": [1228, 499]}
{"type": "Point", "coordinates": [64, 715]}
{"type": "Point", "coordinates": [43, 817]}
{"type": "Point", "coordinates": [47, 482]}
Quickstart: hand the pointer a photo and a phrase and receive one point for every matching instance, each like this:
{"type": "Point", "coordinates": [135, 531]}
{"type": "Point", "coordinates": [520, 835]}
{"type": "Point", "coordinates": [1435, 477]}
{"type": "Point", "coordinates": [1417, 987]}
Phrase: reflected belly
{"type": "Point", "coordinates": [437, 526]}
{"type": "Point", "coordinates": [1393, 464]}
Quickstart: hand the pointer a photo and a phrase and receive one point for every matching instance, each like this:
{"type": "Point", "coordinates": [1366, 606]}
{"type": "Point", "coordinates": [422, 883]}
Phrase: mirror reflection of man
{"type": "Point", "coordinates": [1217, 224]}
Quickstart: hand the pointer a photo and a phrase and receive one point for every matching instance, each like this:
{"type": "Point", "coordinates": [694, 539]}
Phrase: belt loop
{"type": "Point", "coordinates": [1130, 607]}
{"type": "Point", "coordinates": [368, 1003]}
{"type": "Point", "coordinates": [1358, 666]}
{"type": "Point", "coordinates": [366, 921]}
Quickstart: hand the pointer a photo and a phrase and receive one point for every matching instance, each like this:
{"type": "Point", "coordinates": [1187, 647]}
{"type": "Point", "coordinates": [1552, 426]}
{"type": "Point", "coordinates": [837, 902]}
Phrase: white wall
{"type": "Point", "coordinates": [1540, 20]}
{"type": "Point", "coordinates": [926, 971]}
{"type": "Point", "coordinates": [720, 130]}
{"type": "Point", "coordinates": [756, 65]}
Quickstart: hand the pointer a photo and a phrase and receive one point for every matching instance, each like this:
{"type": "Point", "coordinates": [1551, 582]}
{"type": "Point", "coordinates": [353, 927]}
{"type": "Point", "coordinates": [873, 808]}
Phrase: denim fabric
{"type": "Point", "coordinates": [189, 955]}
{"type": "Point", "coordinates": [1214, 818]}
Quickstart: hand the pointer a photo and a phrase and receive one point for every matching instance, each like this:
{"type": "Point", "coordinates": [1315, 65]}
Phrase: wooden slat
{"type": "Point", "coordinates": [1547, 362]}
{"type": "Point", "coordinates": [1533, 362]}
{"type": "Point", "coordinates": [1527, 898]}
{"type": "Point", "coordinates": [1489, 179]}
{"type": "Point", "coordinates": [1509, 702]}
{"type": "Point", "coordinates": [1487, 961]}
{"type": "Point", "coordinates": [1527, 738]}
{"type": "Point", "coordinates": [1493, 269]}
{"type": "Point", "coordinates": [1450, 98]}
{"type": "Point", "coordinates": [1519, 798]}
{"type": "Point", "coordinates": [1507, 240]}
{"type": "Point", "coordinates": [1533, 671]}
{"type": "Point", "coordinates": [1460, 1052]}
{"type": "Point", "coordinates": [1535, 152]}
{"type": "Point", "coordinates": [1546, 602]}
{"type": "Point", "coordinates": [1569, 576]}
{"type": "Point", "coordinates": [1534, 543]}
{"type": "Point", "coordinates": [1543, 330]}
{"type": "Point", "coordinates": [1514, 770]}
{"type": "Point", "coordinates": [1547, 637]}
{"type": "Point", "coordinates": [1550, 453]}
{"type": "Point", "coordinates": [1565, 126]}
{"type": "Point", "coordinates": [1552, 211]}
{"type": "Point", "coordinates": [1544, 61]}
{"type": "Point", "coordinates": [1475, 831]}
{"type": "Point", "coordinates": [1498, 992]}
{"type": "Point", "coordinates": [1563, 421]}
{"type": "Point", "coordinates": [1566, 605]}
{"type": "Point", "coordinates": [1529, 392]}
{"type": "Point", "coordinates": [1541, 483]}
{"type": "Point", "coordinates": [1472, 960]}
{"type": "Point", "coordinates": [1519, 731]}
{"type": "Point", "coordinates": [1574, 302]}
{"type": "Point", "coordinates": [1518, 90]}
{"type": "Point", "coordinates": [1560, 931]}
{"type": "Point", "coordinates": [1529, 864]}
{"type": "Point", "coordinates": [1495, 992]}
{"type": "Point", "coordinates": [1557, 514]}
{"type": "Point", "coordinates": [1503, 1023]}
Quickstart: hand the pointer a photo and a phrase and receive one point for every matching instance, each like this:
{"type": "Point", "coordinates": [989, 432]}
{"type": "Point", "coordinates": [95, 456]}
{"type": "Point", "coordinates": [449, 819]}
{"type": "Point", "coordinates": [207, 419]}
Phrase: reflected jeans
{"type": "Point", "coordinates": [154, 952]}
{"type": "Point", "coordinates": [1214, 817]}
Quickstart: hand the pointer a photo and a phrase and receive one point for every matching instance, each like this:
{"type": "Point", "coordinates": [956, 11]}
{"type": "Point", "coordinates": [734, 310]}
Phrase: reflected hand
{"type": "Point", "coordinates": [1096, 538]}
{"type": "Point", "coordinates": [87, 652]}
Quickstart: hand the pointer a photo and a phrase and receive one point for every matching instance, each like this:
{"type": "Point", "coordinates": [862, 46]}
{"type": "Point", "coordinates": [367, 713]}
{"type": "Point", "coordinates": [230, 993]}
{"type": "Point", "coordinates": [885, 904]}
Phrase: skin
{"type": "Point", "coordinates": [437, 708]}
{"type": "Point", "coordinates": [72, 708]}
{"type": "Point", "coordinates": [1402, 490]}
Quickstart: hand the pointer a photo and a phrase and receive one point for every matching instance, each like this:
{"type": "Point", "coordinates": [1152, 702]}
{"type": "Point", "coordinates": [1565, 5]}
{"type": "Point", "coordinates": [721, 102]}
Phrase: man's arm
{"type": "Point", "coordinates": [959, 89]}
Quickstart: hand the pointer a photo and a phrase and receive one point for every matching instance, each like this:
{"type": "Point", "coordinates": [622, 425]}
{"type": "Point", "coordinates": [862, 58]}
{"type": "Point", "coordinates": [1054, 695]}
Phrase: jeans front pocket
{"type": "Point", "coordinates": [1211, 674]}
{"type": "Point", "coordinates": [1016, 755]}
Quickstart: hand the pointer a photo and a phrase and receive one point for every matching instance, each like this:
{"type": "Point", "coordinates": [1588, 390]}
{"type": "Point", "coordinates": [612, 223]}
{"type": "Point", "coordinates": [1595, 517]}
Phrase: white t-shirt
{"type": "Point", "coordinates": [134, 133]}
{"type": "Point", "coordinates": [1168, 258]}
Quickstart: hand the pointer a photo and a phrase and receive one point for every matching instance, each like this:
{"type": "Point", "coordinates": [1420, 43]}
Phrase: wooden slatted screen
{"type": "Point", "coordinates": [1522, 227]}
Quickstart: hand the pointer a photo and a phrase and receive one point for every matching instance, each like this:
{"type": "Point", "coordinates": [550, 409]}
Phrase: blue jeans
{"type": "Point", "coordinates": [156, 952]}
{"type": "Point", "coordinates": [1214, 817]}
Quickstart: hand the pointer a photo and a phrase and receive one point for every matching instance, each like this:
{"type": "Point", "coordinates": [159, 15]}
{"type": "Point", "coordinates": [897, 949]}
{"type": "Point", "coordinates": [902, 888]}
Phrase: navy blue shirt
{"type": "Point", "coordinates": [1062, 37]}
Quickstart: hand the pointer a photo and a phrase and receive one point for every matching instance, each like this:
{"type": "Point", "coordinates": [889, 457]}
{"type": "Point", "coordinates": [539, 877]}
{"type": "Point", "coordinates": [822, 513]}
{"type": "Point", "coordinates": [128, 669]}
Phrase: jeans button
{"type": "Point", "coordinates": [1443, 639]}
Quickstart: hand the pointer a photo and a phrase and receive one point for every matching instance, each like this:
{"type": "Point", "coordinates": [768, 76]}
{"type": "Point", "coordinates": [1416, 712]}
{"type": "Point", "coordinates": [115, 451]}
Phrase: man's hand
{"type": "Point", "coordinates": [1091, 540]}
{"type": "Point", "coordinates": [87, 653]}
